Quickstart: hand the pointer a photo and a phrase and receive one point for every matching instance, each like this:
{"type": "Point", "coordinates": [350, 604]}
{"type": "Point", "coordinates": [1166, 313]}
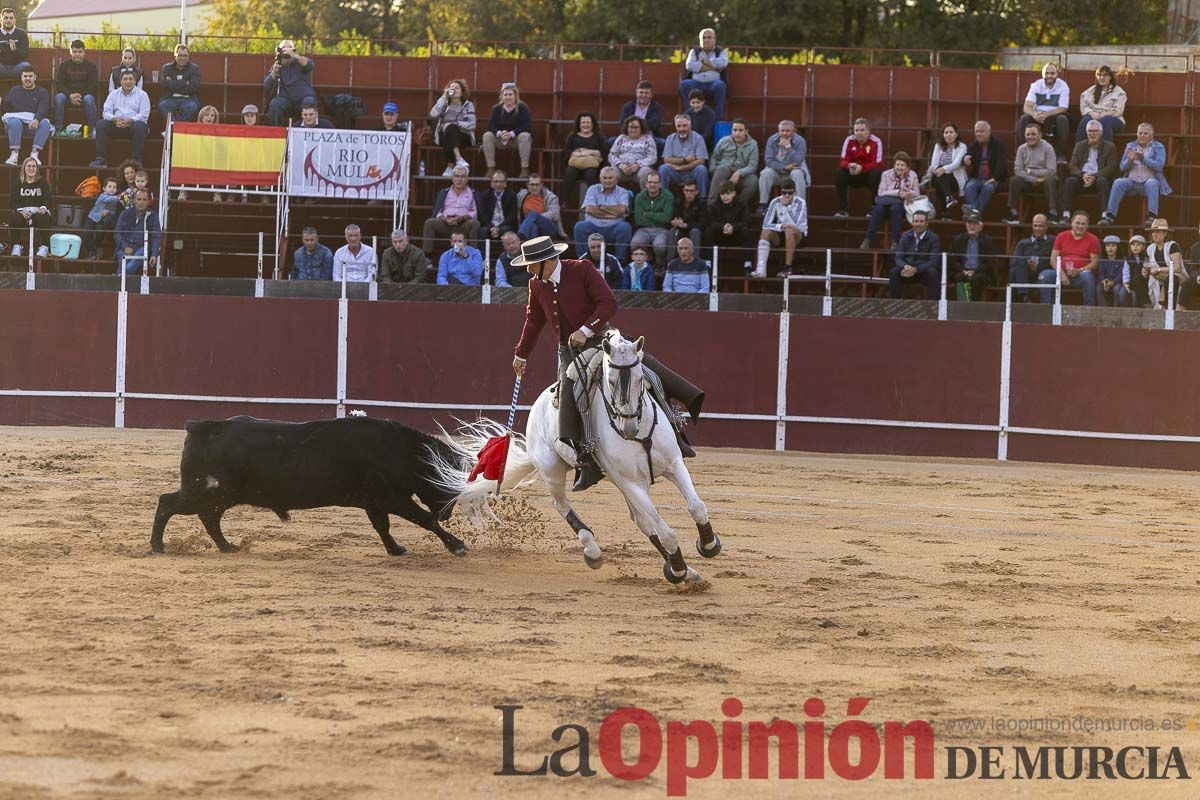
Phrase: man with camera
{"type": "Point", "coordinates": [291, 74]}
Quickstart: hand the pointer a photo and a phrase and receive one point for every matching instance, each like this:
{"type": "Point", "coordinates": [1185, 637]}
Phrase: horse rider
{"type": "Point", "coordinates": [578, 303]}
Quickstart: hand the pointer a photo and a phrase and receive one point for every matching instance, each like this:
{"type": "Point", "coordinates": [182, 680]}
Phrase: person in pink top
{"type": "Point", "coordinates": [1080, 254]}
{"type": "Point", "coordinates": [453, 212]}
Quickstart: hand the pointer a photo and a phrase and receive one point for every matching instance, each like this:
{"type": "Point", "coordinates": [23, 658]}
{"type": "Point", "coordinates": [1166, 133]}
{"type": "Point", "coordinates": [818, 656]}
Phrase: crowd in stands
{"type": "Point", "coordinates": [648, 205]}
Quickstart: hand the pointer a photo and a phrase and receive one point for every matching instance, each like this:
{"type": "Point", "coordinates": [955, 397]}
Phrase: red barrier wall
{"type": "Point", "coordinates": [441, 353]}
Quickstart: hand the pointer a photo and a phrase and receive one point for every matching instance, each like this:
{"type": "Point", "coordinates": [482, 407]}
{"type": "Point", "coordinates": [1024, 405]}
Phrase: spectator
{"type": "Point", "coordinates": [138, 227]}
{"type": "Point", "coordinates": [539, 211]}
{"type": "Point", "coordinates": [128, 171]}
{"type": "Point", "coordinates": [1035, 168]}
{"type": "Point", "coordinates": [729, 222]}
{"type": "Point", "coordinates": [1093, 167]}
{"type": "Point", "coordinates": [1031, 256]}
{"type": "Point", "coordinates": [75, 85]}
{"type": "Point", "coordinates": [861, 164]}
{"type": "Point", "coordinates": [102, 219]}
{"type": "Point", "coordinates": [391, 119]}
{"type": "Point", "coordinates": [706, 66]}
{"type": "Point", "coordinates": [683, 157]}
{"type": "Point", "coordinates": [309, 118]}
{"type": "Point", "coordinates": [691, 214]}
{"type": "Point", "coordinates": [786, 220]}
{"type": "Point", "coordinates": [896, 187]}
{"type": "Point", "coordinates": [584, 152]}
{"type": "Point", "coordinates": [704, 121]}
{"type": "Point", "coordinates": [987, 168]}
{"type": "Point", "coordinates": [453, 210]}
{"type": "Point", "coordinates": [453, 117]}
{"type": "Point", "coordinates": [128, 64]}
{"type": "Point", "coordinates": [355, 261]}
{"type": "Point", "coordinates": [508, 274]}
{"type": "Point", "coordinates": [652, 212]}
{"type": "Point", "coordinates": [686, 273]}
{"type": "Point", "coordinates": [972, 258]}
{"type": "Point", "coordinates": [634, 153]}
{"type": "Point", "coordinates": [598, 254]}
{"type": "Point", "coordinates": [141, 181]}
{"type": "Point", "coordinates": [917, 259]}
{"type": "Point", "coordinates": [290, 81]}
{"type": "Point", "coordinates": [735, 159]}
{"type": "Point", "coordinates": [605, 207]}
{"type": "Point", "coordinates": [1189, 292]}
{"type": "Point", "coordinates": [250, 117]}
{"type": "Point", "coordinates": [497, 207]}
{"type": "Point", "coordinates": [1103, 102]}
{"type": "Point", "coordinates": [27, 106]}
{"type": "Point", "coordinates": [180, 82]}
{"type": "Point", "coordinates": [1142, 163]}
{"type": "Point", "coordinates": [1046, 106]}
{"type": "Point", "coordinates": [1139, 271]}
{"type": "Point", "coordinates": [647, 109]}
{"type": "Point", "coordinates": [208, 116]}
{"type": "Point", "coordinates": [125, 113]}
{"type": "Point", "coordinates": [1113, 276]}
{"type": "Point", "coordinates": [946, 174]}
{"type": "Point", "coordinates": [313, 261]}
{"type": "Point", "coordinates": [31, 201]}
{"type": "Point", "coordinates": [403, 262]}
{"type": "Point", "coordinates": [1163, 257]}
{"type": "Point", "coordinates": [784, 157]}
{"type": "Point", "coordinates": [509, 125]}
{"type": "Point", "coordinates": [461, 264]}
{"type": "Point", "coordinates": [1079, 252]}
{"type": "Point", "coordinates": [14, 45]}
{"type": "Point", "coordinates": [638, 275]}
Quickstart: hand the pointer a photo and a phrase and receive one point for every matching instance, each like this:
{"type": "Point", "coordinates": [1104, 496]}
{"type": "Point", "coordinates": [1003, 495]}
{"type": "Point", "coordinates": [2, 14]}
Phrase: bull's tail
{"type": "Point", "coordinates": [451, 469]}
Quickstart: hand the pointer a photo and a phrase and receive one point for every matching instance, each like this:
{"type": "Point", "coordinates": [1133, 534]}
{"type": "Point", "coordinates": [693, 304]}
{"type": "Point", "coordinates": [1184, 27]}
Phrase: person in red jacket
{"type": "Point", "coordinates": [577, 302]}
{"type": "Point", "coordinates": [861, 164]}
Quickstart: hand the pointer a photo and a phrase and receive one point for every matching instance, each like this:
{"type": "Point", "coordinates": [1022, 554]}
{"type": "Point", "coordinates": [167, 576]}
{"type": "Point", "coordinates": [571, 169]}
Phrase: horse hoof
{"type": "Point", "coordinates": [593, 556]}
{"type": "Point", "coordinates": [714, 548]}
{"type": "Point", "coordinates": [671, 576]}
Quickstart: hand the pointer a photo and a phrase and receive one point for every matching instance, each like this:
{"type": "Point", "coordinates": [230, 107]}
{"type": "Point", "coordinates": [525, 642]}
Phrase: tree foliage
{"type": "Point", "coordinates": [970, 26]}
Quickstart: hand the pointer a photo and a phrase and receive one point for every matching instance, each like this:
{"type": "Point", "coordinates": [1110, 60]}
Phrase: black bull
{"type": "Point", "coordinates": [359, 462]}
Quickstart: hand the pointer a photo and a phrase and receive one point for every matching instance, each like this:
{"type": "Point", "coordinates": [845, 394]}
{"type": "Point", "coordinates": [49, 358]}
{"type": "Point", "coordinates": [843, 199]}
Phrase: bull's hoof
{"type": "Point", "coordinates": [228, 548]}
{"type": "Point", "coordinates": [671, 576]}
{"type": "Point", "coordinates": [156, 548]}
{"type": "Point", "coordinates": [458, 548]}
{"type": "Point", "coordinates": [398, 550]}
{"type": "Point", "coordinates": [713, 550]}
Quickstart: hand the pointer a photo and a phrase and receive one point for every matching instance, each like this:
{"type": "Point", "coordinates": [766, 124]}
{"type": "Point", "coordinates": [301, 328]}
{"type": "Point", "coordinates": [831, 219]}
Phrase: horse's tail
{"type": "Point", "coordinates": [452, 469]}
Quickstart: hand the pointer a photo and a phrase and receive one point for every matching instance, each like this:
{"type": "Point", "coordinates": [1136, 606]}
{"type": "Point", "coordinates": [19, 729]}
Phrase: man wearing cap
{"type": "Point", "coordinates": [577, 302]}
{"type": "Point", "coordinates": [250, 114]}
{"type": "Point", "coordinates": [1031, 256]}
{"type": "Point", "coordinates": [972, 257]}
{"type": "Point", "coordinates": [291, 76]}
{"type": "Point", "coordinates": [391, 118]}
{"type": "Point", "coordinates": [1080, 254]}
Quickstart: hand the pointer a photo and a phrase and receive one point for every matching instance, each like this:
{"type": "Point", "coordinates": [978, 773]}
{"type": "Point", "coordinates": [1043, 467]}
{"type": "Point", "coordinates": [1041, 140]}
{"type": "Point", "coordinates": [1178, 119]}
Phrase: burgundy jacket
{"type": "Point", "coordinates": [581, 297]}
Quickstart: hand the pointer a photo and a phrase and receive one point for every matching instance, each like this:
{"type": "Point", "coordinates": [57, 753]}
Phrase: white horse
{"type": "Point", "coordinates": [635, 445]}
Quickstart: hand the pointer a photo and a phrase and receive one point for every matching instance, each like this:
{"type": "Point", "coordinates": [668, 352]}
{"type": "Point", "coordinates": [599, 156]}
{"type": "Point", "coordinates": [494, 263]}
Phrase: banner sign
{"type": "Point", "coordinates": [347, 164]}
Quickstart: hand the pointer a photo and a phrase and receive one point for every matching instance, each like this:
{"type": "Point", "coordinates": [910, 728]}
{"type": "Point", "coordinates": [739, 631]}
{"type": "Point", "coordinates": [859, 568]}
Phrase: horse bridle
{"type": "Point", "coordinates": [647, 441]}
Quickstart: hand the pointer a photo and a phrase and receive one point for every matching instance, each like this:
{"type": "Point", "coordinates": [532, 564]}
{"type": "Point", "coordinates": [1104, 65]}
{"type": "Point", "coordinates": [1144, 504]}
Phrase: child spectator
{"type": "Point", "coordinates": [638, 274]}
{"type": "Point", "coordinates": [102, 217]}
{"type": "Point", "coordinates": [1114, 276]}
{"type": "Point", "coordinates": [1139, 271]}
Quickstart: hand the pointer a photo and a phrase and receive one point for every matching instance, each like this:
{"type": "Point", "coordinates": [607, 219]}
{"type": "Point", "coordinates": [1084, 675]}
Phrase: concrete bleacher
{"type": "Point", "coordinates": [906, 106]}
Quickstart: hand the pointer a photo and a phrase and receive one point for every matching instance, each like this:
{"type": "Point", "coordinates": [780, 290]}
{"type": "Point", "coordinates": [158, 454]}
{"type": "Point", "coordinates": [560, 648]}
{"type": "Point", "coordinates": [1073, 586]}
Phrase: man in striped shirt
{"type": "Point", "coordinates": [861, 164]}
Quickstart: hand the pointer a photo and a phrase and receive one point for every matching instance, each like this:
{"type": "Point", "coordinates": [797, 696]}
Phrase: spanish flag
{"type": "Point", "coordinates": [224, 155]}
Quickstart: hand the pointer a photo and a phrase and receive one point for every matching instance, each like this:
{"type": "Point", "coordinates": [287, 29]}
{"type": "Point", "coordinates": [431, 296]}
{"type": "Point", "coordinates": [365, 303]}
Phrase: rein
{"type": "Point", "coordinates": [613, 414]}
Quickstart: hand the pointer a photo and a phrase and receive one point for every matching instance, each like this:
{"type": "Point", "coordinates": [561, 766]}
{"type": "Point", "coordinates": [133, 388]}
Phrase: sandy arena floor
{"type": "Point", "coordinates": [312, 665]}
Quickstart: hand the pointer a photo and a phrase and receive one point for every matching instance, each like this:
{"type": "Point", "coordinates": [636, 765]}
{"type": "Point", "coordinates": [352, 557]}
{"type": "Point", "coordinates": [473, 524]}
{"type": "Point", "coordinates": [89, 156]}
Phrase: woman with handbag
{"type": "Point", "coordinates": [584, 152]}
{"type": "Point", "coordinates": [897, 188]}
{"type": "Point", "coordinates": [453, 117]}
{"type": "Point", "coordinates": [946, 174]}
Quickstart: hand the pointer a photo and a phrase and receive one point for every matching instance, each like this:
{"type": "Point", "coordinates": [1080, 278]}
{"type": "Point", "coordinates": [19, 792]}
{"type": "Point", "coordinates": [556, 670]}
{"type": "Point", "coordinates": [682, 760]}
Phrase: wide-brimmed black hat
{"type": "Point", "coordinates": [541, 248]}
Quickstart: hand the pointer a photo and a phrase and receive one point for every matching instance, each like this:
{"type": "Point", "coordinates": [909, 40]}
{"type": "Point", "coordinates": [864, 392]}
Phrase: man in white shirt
{"type": "Point", "coordinates": [1046, 104]}
{"type": "Point", "coordinates": [125, 113]}
{"type": "Point", "coordinates": [786, 221]}
{"type": "Point", "coordinates": [355, 261]}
